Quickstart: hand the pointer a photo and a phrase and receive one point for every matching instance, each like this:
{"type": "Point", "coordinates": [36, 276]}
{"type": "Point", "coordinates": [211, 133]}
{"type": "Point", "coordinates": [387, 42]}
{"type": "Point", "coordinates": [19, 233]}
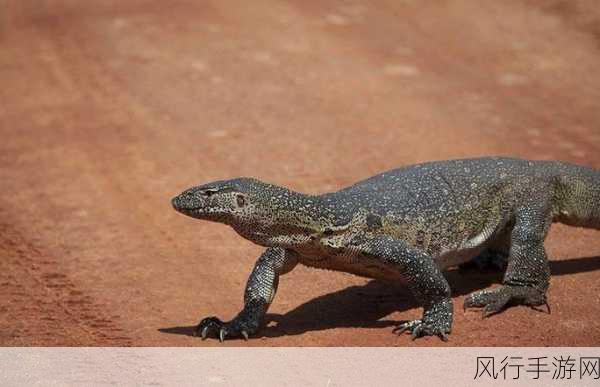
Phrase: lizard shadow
{"type": "Point", "coordinates": [366, 306]}
{"type": "Point", "coordinates": [575, 265]}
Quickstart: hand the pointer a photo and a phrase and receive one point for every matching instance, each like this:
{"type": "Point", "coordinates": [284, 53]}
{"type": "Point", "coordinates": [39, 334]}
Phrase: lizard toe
{"type": "Point", "coordinates": [494, 307]}
{"type": "Point", "coordinates": [405, 325]}
{"type": "Point", "coordinates": [418, 331]}
{"type": "Point", "coordinates": [479, 299]}
{"type": "Point", "coordinates": [535, 307]}
{"type": "Point", "coordinates": [419, 328]}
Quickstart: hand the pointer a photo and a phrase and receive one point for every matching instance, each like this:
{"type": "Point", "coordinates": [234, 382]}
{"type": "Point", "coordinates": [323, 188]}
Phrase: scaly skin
{"type": "Point", "coordinates": [407, 224]}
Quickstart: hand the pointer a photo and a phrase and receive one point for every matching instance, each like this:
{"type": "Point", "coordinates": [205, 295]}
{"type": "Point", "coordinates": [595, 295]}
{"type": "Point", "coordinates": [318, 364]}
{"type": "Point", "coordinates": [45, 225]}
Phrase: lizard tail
{"type": "Point", "coordinates": [577, 196]}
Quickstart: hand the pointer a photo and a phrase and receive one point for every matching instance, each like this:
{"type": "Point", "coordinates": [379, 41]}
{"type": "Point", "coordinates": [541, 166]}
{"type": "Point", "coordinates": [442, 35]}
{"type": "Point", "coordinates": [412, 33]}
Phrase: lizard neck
{"type": "Point", "coordinates": [285, 218]}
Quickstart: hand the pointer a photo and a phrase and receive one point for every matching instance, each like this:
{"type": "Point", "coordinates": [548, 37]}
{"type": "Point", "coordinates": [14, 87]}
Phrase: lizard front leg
{"type": "Point", "coordinates": [424, 279]}
{"type": "Point", "coordinates": [260, 291]}
{"type": "Point", "coordinates": [527, 276]}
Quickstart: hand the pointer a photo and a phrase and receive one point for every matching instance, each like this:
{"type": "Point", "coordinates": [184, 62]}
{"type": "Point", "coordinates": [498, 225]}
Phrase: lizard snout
{"type": "Point", "coordinates": [186, 202]}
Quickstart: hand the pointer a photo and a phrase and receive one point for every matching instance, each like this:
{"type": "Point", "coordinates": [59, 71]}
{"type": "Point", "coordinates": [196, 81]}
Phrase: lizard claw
{"type": "Point", "coordinates": [541, 310]}
{"type": "Point", "coordinates": [245, 334]}
{"type": "Point", "coordinates": [222, 334]}
{"type": "Point", "coordinates": [404, 326]}
{"type": "Point", "coordinates": [204, 333]}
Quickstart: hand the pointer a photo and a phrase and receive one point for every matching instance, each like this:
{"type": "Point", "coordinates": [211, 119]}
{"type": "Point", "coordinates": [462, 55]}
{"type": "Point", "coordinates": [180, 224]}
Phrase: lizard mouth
{"type": "Point", "coordinates": [189, 210]}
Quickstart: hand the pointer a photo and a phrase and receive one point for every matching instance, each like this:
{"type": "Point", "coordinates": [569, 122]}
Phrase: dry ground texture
{"type": "Point", "coordinates": [109, 108]}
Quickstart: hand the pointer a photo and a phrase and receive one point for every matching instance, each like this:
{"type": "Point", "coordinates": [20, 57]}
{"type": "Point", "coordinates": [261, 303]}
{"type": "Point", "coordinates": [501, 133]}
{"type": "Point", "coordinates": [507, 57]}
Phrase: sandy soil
{"type": "Point", "coordinates": [108, 109]}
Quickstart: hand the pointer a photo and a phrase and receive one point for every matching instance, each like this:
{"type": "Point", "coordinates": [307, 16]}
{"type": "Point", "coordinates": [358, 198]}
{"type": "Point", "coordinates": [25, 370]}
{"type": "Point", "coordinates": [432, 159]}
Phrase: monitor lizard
{"type": "Point", "coordinates": [408, 224]}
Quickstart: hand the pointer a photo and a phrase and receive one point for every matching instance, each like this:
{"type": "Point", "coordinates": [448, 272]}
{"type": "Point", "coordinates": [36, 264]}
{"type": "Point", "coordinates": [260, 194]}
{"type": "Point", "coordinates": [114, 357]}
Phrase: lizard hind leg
{"type": "Point", "coordinates": [527, 276]}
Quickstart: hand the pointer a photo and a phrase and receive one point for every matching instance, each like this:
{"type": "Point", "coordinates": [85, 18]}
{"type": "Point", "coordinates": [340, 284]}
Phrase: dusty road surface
{"type": "Point", "coordinates": [109, 108]}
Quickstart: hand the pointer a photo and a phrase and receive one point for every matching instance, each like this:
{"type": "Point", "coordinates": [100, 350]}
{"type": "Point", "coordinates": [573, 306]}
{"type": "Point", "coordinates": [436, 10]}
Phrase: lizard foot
{"type": "Point", "coordinates": [234, 328]}
{"type": "Point", "coordinates": [494, 301]}
{"type": "Point", "coordinates": [436, 321]}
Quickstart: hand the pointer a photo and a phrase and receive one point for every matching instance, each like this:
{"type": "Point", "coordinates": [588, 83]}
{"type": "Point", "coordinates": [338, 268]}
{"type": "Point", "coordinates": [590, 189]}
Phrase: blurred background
{"type": "Point", "coordinates": [110, 108]}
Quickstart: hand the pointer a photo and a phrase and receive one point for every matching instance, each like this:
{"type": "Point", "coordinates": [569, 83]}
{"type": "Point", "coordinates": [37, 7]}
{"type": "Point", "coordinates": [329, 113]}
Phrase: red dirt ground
{"type": "Point", "coordinates": [110, 108]}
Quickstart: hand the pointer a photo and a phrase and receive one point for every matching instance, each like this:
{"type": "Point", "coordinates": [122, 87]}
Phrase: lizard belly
{"type": "Point", "coordinates": [349, 262]}
{"type": "Point", "coordinates": [332, 253]}
{"type": "Point", "coordinates": [466, 251]}
{"type": "Point", "coordinates": [457, 257]}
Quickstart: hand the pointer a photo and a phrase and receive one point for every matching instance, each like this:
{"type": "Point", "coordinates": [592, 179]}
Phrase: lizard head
{"type": "Point", "coordinates": [258, 211]}
{"type": "Point", "coordinates": [219, 201]}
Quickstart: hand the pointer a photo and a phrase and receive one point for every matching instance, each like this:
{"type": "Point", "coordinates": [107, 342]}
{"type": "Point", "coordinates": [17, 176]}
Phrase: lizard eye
{"type": "Point", "coordinates": [209, 192]}
{"type": "Point", "coordinates": [240, 200]}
